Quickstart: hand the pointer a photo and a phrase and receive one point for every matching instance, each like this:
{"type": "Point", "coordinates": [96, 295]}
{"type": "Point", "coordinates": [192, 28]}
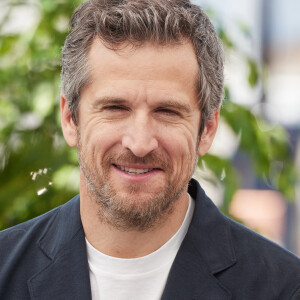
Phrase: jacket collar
{"type": "Point", "coordinates": [63, 242]}
{"type": "Point", "coordinates": [210, 231]}
{"type": "Point", "coordinates": [205, 251]}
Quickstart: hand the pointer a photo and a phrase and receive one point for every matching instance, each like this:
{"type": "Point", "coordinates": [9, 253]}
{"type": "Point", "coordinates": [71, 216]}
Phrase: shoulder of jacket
{"type": "Point", "coordinates": [26, 230]}
{"type": "Point", "coordinates": [252, 248]}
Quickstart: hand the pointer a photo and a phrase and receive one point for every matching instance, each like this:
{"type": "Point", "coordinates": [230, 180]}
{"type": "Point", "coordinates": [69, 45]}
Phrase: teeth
{"type": "Point", "coordinates": [134, 170]}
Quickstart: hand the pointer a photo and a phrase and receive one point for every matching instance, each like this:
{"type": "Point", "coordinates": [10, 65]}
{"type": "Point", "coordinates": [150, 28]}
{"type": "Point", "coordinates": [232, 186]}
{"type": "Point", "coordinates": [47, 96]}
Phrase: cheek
{"type": "Point", "coordinates": [181, 147]}
{"type": "Point", "coordinates": [97, 139]}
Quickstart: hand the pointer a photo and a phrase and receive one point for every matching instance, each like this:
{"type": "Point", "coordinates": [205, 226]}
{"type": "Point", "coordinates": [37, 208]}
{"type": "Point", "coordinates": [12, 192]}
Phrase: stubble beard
{"type": "Point", "coordinates": [121, 212]}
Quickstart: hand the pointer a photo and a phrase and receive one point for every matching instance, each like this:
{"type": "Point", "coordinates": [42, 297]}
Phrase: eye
{"type": "Point", "coordinates": [115, 108]}
{"type": "Point", "coordinates": [168, 111]}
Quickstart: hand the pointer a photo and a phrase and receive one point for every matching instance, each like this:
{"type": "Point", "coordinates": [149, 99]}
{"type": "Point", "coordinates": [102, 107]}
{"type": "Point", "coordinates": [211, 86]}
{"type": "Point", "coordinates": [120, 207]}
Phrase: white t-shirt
{"type": "Point", "coordinates": [142, 278]}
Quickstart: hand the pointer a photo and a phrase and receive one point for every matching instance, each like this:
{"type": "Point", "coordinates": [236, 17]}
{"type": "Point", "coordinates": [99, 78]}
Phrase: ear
{"type": "Point", "coordinates": [67, 124]}
{"type": "Point", "coordinates": [208, 133]}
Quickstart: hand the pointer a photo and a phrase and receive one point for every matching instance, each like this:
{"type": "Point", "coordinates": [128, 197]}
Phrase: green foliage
{"type": "Point", "coordinates": [267, 146]}
{"type": "Point", "coordinates": [30, 135]}
{"type": "Point", "coordinates": [225, 173]}
{"type": "Point", "coordinates": [38, 171]}
{"type": "Point", "coordinates": [253, 76]}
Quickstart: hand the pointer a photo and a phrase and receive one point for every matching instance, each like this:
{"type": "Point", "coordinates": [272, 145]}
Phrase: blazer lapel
{"type": "Point", "coordinates": [205, 251]}
{"type": "Point", "coordinates": [190, 280]}
{"type": "Point", "coordinates": [67, 274]}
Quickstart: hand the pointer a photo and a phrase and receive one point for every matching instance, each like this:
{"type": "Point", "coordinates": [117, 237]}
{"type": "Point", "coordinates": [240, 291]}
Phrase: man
{"type": "Point", "coordinates": [142, 83]}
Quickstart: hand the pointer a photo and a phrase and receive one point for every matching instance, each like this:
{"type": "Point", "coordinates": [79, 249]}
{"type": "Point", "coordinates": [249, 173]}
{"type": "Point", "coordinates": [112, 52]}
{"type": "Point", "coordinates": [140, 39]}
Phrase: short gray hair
{"type": "Point", "coordinates": [137, 21]}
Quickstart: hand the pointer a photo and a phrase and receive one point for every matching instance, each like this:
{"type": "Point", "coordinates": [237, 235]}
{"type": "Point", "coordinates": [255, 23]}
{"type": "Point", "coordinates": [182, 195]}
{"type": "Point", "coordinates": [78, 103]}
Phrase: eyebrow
{"type": "Point", "coordinates": [175, 104]}
{"type": "Point", "coordinates": [110, 101]}
{"type": "Point", "coordinates": [170, 103]}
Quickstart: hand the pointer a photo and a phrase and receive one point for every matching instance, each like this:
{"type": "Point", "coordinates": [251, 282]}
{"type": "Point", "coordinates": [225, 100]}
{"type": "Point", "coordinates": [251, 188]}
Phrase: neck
{"type": "Point", "coordinates": [132, 243]}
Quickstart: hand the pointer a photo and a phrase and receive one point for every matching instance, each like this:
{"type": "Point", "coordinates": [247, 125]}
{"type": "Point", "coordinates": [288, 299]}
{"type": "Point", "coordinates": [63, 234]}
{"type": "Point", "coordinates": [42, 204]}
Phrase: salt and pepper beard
{"type": "Point", "coordinates": [124, 214]}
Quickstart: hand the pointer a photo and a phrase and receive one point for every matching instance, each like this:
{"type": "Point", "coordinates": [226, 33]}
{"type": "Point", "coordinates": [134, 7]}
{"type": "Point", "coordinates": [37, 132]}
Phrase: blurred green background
{"type": "Point", "coordinates": [38, 171]}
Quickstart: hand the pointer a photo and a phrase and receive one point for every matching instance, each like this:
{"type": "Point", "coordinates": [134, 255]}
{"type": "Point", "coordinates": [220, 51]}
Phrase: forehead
{"type": "Point", "coordinates": [167, 57]}
{"type": "Point", "coordinates": [150, 67]}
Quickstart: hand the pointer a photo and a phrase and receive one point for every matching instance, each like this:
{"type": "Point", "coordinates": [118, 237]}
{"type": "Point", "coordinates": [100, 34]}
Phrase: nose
{"type": "Point", "coordinates": [140, 138]}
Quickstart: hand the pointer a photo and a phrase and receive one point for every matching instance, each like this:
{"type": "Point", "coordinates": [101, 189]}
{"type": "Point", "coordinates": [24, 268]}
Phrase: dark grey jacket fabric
{"type": "Point", "coordinates": [45, 258]}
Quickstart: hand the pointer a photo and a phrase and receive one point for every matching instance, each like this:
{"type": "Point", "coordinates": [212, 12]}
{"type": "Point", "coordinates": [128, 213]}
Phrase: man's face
{"type": "Point", "coordinates": [138, 128]}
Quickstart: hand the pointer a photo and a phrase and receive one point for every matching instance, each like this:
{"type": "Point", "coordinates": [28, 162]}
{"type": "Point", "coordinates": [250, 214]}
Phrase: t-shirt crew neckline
{"type": "Point", "coordinates": [107, 264]}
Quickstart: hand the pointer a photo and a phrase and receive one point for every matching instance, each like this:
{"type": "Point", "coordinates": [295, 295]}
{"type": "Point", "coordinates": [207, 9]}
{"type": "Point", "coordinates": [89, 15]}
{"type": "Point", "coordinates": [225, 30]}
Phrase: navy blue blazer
{"type": "Point", "coordinates": [45, 258]}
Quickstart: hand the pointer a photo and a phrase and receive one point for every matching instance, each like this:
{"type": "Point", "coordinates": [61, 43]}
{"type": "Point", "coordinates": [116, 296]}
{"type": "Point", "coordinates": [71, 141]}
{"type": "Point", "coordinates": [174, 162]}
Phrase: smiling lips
{"type": "Point", "coordinates": [134, 171]}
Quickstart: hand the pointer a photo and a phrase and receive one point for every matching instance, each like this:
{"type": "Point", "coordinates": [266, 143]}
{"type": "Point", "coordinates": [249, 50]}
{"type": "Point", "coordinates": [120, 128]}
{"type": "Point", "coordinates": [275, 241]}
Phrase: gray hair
{"type": "Point", "coordinates": [137, 21]}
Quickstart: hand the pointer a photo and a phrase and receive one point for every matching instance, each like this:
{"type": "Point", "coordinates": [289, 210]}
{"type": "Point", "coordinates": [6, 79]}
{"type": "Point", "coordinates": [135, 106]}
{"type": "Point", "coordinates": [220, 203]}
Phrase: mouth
{"type": "Point", "coordinates": [134, 171]}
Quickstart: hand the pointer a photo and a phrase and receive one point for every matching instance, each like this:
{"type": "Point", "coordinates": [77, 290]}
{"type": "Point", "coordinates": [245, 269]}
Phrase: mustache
{"type": "Point", "coordinates": [155, 159]}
